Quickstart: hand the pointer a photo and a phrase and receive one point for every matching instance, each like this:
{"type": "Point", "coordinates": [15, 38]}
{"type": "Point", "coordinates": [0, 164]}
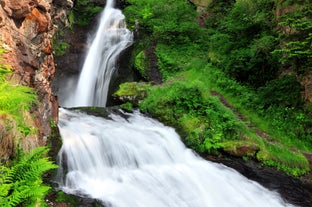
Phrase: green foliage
{"type": "Point", "coordinates": [289, 125]}
{"type": "Point", "coordinates": [204, 120]}
{"type": "Point", "coordinates": [296, 38]}
{"type": "Point", "coordinates": [219, 9]}
{"type": "Point", "coordinates": [133, 89]}
{"type": "Point", "coordinates": [60, 47]}
{"type": "Point", "coordinates": [166, 21]}
{"type": "Point", "coordinates": [141, 64]}
{"type": "Point", "coordinates": [173, 58]}
{"type": "Point", "coordinates": [83, 12]}
{"type": "Point", "coordinates": [207, 126]}
{"type": "Point", "coordinates": [239, 39]}
{"type": "Point", "coordinates": [284, 159]}
{"type": "Point", "coordinates": [242, 42]}
{"type": "Point", "coordinates": [21, 184]}
{"type": "Point", "coordinates": [15, 100]}
{"type": "Point", "coordinates": [66, 198]}
{"type": "Point", "coordinates": [284, 91]}
{"type": "Point", "coordinates": [127, 107]}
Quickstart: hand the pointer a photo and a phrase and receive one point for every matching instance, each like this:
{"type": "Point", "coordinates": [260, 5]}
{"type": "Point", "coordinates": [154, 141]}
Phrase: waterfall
{"type": "Point", "coordinates": [139, 162]}
{"type": "Point", "coordinates": [111, 38]}
{"type": "Point", "coordinates": [131, 160]}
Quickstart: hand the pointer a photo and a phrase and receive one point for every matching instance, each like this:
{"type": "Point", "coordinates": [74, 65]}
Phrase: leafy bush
{"type": "Point", "coordinates": [21, 184]}
{"type": "Point", "coordinates": [243, 40]}
{"type": "Point", "coordinates": [166, 21]}
{"type": "Point", "coordinates": [204, 121]}
{"type": "Point", "coordinates": [284, 91]}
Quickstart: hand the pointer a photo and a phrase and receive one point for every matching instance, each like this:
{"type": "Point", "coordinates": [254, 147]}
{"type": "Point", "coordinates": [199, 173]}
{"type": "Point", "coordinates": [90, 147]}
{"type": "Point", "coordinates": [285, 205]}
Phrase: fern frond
{"type": "Point", "coordinates": [22, 183]}
{"type": "Point", "coordinates": [4, 190]}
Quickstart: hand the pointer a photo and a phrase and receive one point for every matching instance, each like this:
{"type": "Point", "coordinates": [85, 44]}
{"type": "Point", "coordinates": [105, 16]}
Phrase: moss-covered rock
{"type": "Point", "coordinates": [241, 149]}
{"type": "Point", "coordinates": [132, 92]}
{"type": "Point", "coordinates": [146, 63]}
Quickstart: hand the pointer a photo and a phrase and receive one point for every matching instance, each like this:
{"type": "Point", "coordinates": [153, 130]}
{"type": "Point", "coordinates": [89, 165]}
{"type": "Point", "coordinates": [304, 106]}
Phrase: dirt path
{"type": "Point", "coordinates": [263, 135]}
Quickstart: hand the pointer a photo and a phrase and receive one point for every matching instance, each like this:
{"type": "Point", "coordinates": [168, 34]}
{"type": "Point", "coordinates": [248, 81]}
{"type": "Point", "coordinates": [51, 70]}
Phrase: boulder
{"type": "Point", "coordinates": [18, 9]}
{"type": "Point", "coordinates": [241, 149]}
{"type": "Point", "coordinates": [132, 92]}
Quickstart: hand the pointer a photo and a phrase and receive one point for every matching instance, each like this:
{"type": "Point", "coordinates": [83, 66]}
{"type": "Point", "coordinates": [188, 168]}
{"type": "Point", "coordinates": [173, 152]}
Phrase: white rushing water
{"type": "Point", "coordinates": [111, 38]}
{"type": "Point", "coordinates": [139, 162]}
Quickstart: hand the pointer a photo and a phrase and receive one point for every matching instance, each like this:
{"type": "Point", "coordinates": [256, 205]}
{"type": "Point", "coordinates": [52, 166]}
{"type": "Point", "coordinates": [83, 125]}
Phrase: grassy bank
{"type": "Point", "coordinates": [222, 86]}
{"type": "Point", "coordinates": [188, 102]}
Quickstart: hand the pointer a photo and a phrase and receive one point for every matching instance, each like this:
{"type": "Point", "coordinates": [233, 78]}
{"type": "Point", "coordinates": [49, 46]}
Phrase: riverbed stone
{"type": "Point", "coordinates": [241, 149]}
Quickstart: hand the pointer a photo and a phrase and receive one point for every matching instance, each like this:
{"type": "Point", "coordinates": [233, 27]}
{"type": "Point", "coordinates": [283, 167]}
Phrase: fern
{"type": "Point", "coordinates": [22, 183]}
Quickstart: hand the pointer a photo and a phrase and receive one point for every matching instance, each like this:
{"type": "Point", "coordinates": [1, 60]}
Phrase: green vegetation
{"type": "Point", "coordinates": [62, 197]}
{"type": "Point", "coordinates": [141, 64]}
{"type": "Point", "coordinates": [296, 35]}
{"type": "Point", "coordinates": [60, 47]}
{"type": "Point", "coordinates": [133, 89]}
{"type": "Point", "coordinates": [21, 180]}
{"type": "Point", "coordinates": [83, 12]}
{"type": "Point", "coordinates": [21, 183]}
{"type": "Point", "coordinates": [15, 100]}
{"type": "Point", "coordinates": [223, 84]}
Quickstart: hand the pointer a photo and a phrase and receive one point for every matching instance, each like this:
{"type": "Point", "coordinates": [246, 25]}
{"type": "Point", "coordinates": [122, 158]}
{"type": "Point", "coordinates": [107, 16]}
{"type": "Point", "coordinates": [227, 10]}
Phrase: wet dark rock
{"type": "Point", "coordinates": [293, 190]}
{"type": "Point", "coordinates": [68, 200]}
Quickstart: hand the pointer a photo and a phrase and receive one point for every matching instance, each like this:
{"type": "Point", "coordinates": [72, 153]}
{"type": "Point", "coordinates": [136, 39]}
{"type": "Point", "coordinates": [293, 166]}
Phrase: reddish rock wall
{"type": "Point", "coordinates": [26, 31]}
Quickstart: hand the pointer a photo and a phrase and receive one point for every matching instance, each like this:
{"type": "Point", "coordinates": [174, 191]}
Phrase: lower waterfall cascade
{"type": "Point", "coordinates": [138, 162]}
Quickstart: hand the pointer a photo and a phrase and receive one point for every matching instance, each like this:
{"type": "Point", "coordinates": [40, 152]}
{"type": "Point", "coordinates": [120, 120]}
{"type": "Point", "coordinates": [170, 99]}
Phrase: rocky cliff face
{"type": "Point", "coordinates": [26, 31]}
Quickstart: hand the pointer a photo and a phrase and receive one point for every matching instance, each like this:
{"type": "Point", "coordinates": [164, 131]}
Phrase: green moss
{"type": "Point", "coordinates": [93, 110]}
{"type": "Point", "coordinates": [62, 197]}
{"type": "Point", "coordinates": [59, 45]}
{"type": "Point", "coordinates": [127, 106]}
{"type": "Point", "coordinates": [247, 148]}
{"type": "Point", "coordinates": [291, 162]}
{"type": "Point", "coordinates": [132, 91]}
{"type": "Point", "coordinates": [60, 48]}
{"type": "Point", "coordinates": [141, 64]}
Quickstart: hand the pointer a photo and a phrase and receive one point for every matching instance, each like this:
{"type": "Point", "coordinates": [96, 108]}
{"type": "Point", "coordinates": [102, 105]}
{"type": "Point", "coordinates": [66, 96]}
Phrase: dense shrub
{"type": "Point", "coordinates": [284, 92]}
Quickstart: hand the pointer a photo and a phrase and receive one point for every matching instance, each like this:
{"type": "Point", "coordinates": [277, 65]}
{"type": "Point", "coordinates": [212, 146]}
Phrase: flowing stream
{"type": "Point", "coordinates": [129, 160]}
{"type": "Point", "coordinates": [139, 162]}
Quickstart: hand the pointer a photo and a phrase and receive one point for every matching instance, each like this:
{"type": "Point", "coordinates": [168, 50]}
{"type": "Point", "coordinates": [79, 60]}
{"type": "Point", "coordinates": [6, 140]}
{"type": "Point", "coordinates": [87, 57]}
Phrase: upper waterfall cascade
{"type": "Point", "coordinates": [111, 38]}
{"type": "Point", "coordinates": [131, 160]}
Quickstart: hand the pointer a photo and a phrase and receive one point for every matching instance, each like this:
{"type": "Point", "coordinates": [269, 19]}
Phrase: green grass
{"type": "Point", "coordinates": [206, 125]}
{"type": "Point", "coordinates": [283, 158]}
